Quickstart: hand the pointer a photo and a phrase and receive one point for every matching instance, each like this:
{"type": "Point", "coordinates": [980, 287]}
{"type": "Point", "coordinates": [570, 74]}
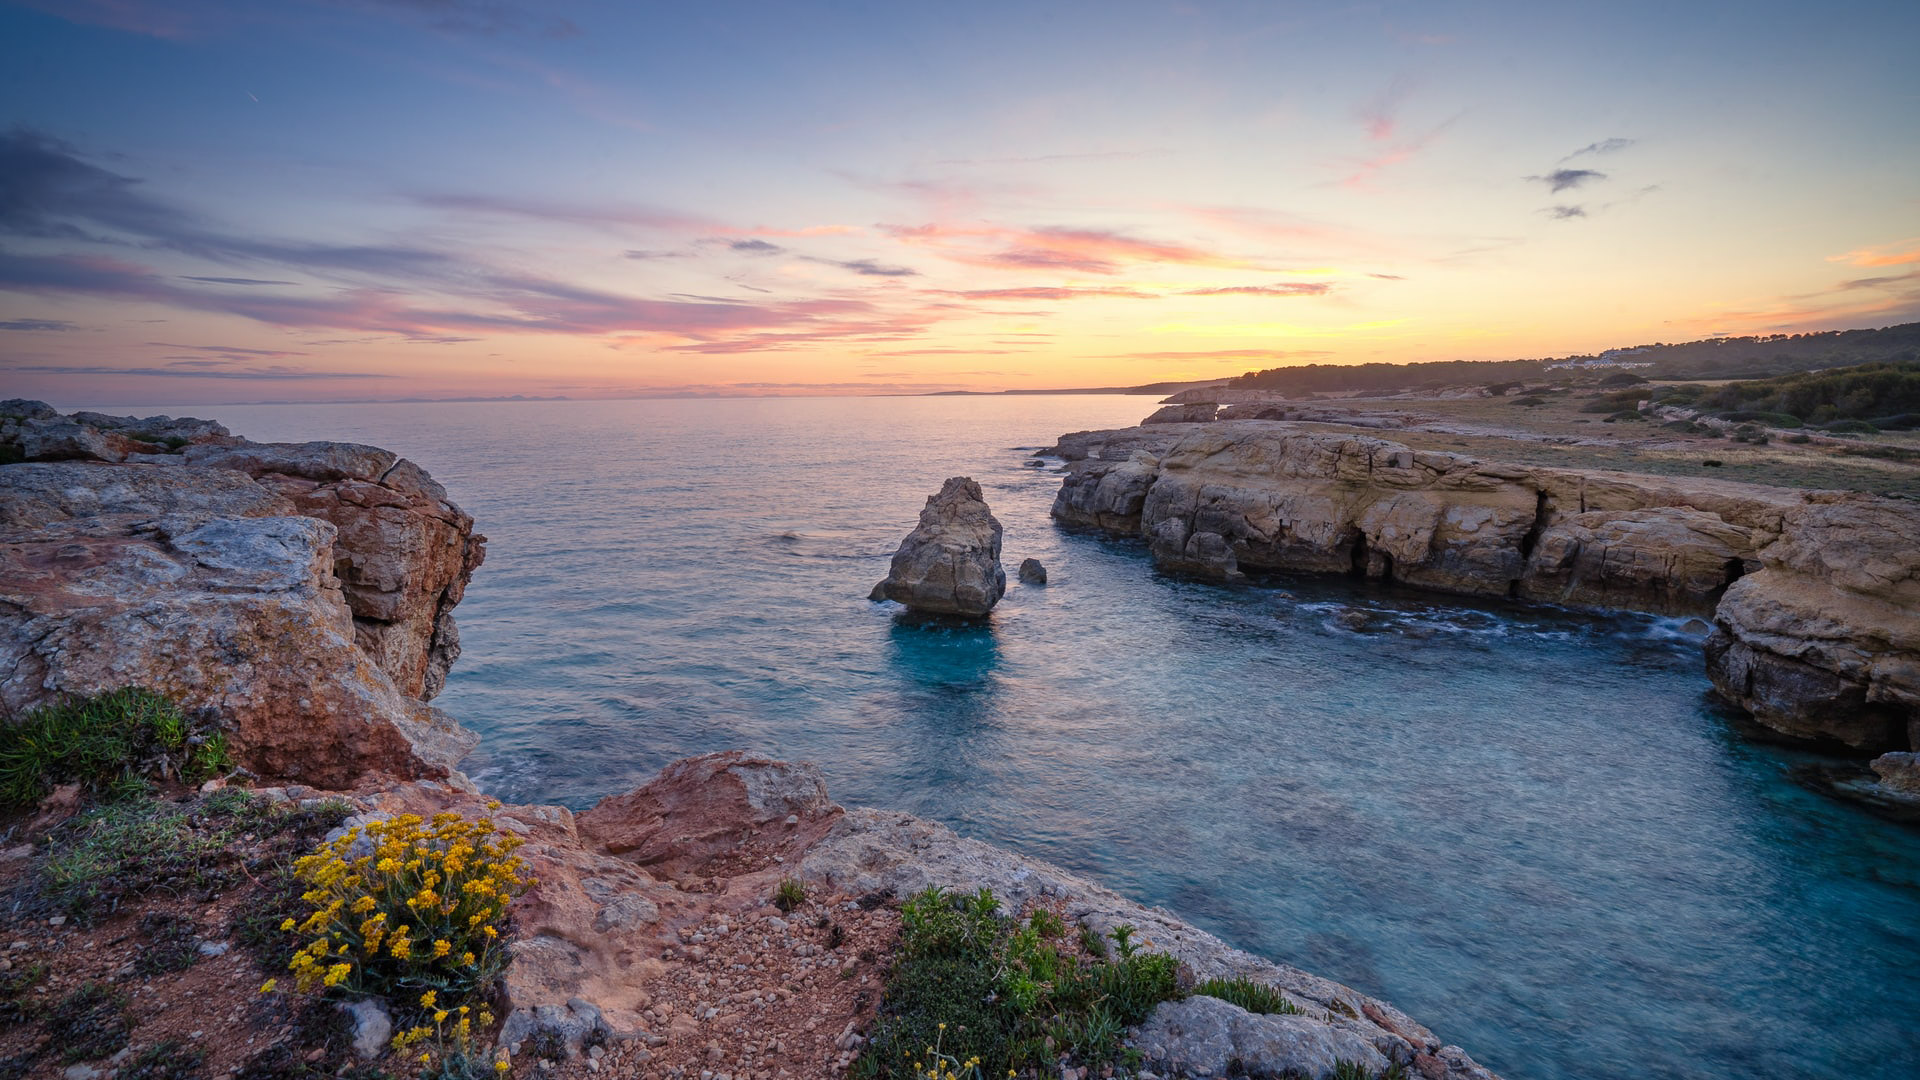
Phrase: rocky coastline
{"type": "Point", "coordinates": [299, 597]}
{"type": "Point", "coordinates": [1813, 596]}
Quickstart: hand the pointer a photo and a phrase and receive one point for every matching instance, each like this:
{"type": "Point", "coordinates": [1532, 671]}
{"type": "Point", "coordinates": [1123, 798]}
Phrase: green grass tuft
{"type": "Point", "coordinates": [1251, 996]}
{"type": "Point", "coordinates": [104, 741]}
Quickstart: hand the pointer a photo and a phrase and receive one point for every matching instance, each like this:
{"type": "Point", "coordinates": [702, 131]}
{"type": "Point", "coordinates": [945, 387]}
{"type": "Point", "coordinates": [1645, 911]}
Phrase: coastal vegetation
{"type": "Point", "coordinates": [1755, 357]}
{"type": "Point", "coordinates": [974, 993]}
{"type": "Point", "coordinates": [1864, 398]}
{"type": "Point", "coordinates": [118, 741]}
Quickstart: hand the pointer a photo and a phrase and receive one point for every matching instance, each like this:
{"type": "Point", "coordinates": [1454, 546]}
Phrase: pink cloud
{"type": "Point", "coordinates": [1073, 250]}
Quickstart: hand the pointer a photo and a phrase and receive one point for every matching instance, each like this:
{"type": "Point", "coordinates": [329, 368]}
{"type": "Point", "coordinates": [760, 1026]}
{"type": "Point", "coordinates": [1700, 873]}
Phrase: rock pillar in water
{"type": "Point", "coordinates": [950, 563]}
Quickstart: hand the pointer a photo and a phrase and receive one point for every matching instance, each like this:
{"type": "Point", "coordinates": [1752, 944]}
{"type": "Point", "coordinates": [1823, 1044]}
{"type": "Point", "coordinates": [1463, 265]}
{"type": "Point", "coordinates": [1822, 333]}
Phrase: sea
{"type": "Point", "coordinates": [1530, 828]}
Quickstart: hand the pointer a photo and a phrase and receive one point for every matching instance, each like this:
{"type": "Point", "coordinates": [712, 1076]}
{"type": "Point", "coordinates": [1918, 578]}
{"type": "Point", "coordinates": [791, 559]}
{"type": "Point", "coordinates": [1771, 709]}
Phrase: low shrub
{"type": "Point", "coordinates": [974, 994]}
{"type": "Point", "coordinates": [1624, 414]}
{"type": "Point", "coordinates": [1614, 402]}
{"type": "Point", "coordinates": [407, 906]}
{"type": "Point", "coordinates": [1529, 401]}
{"type": "Point", "coordinates": [791, 893]}
{"type": "Point", "coordinates": [1856, 427]}
{"type": "Point", "coordinates": [115, 736]}
{"type": "Point", "coordinates": [1770, 419]}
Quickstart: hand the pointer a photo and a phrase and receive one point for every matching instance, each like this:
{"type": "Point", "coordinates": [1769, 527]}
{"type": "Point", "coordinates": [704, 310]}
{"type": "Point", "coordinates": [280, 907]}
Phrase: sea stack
{"type": "Point", "coordinates": [950, 563]}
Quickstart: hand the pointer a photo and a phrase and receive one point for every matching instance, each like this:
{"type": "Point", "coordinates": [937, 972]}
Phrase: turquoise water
{"type": "Point", "coordinates": [1526, 827]}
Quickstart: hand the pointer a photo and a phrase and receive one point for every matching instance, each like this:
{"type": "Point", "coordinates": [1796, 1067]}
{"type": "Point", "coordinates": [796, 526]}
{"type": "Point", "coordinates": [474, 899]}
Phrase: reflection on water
{"type": "Point", "coordinates": [1526, 827]}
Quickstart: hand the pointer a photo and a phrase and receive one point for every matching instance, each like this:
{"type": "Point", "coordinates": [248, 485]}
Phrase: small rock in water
{"type": "Point", "coordinates": [1032, 573]}
{"type": "Point", "coordinates": [1352, 619]}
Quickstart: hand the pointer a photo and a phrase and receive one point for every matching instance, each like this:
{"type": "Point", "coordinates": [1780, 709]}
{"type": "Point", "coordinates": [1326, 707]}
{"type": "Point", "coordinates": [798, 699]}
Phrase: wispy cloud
{"type": "Point", "coordinates": [271, 373]}
{"type": "Point", "coordinates": [1062, 292]}
{"type": "Point", "coordinates": [1379, 115]}
{"type": "Point", "coordinates": [1604, 146]}
{"type": "Point", "coordinates": [235, 280]}
{"type": "Point", "coordinates": [1071, 250]}
{"type": "Point", "coordinates": [1898, 253]}
{"type": "Point", "coordinates": [1566, 179]}
{"type": "Point", "coordinates": [39, 325]}
{"type": "Point", "coordinates": [868, 267]}
{"type": "Point", "coordinates": [231, 352]}
{"type": "Point", "coordinates": [1293, 288]}
{"type": "Point", "coordinates": [755, 247]}
{"type": "Point", "coordinates": [1562, 213]}
{"type": "Point", "coordinates": [485, 18]}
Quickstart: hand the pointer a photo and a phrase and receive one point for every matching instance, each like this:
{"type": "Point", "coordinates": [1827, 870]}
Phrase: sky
{"type": "Point", "coordinates": [214, 201]}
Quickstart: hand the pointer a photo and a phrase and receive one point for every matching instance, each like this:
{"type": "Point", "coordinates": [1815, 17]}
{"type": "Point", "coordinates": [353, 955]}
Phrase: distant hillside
{"type": "Point", "coordinates": [1388, 378]}
{"type": "Point", "coordinates": [1714, 358]}
{"type": "Point", "coordinates": [1777, 354]}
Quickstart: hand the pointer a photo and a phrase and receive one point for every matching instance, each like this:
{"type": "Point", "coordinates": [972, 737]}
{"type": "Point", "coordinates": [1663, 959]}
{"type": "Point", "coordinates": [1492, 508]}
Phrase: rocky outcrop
{"type": "Point", "coordinates": [644, 899]}
{"type": "Point", "coordinates": [1032, 573]}
{"type": "Point", "coordinates": [950, 563]}
{"type": "Point", "coordinates": [1814, 594]}
{"type": "Point", "coordinates": [225, 576]}
{"type": "Point", "coordinates": [696, 808]}
{"type": "Point", "coordinates": [1182, 414]}
{"type": "Point", "coordinates": [872, 852]}
{"type": "Point", "coordinates": [405, 551]}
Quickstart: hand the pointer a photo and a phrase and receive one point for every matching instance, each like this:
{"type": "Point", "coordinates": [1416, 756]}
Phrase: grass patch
{"type": "Point", "coordinates": [1007, 995]}
{"type": "Point", "coordinates": [1251, 996]}
{"type": "Point", "coordinates": [112, 853]}
{"type": "Point", "coordinates": [168, 1060]}
{"type": "Point", "coordinates": [104, 741]}
{"type": "Point", "coordinates": [791, 894]}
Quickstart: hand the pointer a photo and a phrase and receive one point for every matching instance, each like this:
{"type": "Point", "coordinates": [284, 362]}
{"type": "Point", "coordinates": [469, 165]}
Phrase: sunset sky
{"type": "Point", "coordinates": [214, 201]}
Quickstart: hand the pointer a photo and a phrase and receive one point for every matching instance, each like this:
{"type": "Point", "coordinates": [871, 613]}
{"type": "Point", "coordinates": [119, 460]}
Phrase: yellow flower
{"type": "Point", "coordinates": [490, 931]}
{"type": "Point", "coordinates": [426, 999]}
{"type": "Point", "coordinates": [442, 947]}
{"type": "Point", "coordinates": [267, 987]}
{"type": "Point", "coordinates": [468, 959]}
{"type": "Point", "coordinates": [440, 1017]}
{"type": "Point", "coordinates": [287, 925]}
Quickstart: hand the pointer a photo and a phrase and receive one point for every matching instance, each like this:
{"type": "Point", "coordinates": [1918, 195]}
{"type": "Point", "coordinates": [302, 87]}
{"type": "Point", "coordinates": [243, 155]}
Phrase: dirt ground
{"type": "Point", "coordinates": [167, 984]}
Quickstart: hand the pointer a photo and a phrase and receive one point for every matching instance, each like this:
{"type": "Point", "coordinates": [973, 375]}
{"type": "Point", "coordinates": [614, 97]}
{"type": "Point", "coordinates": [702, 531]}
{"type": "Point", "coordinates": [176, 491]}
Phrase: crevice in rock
{"type": "Point", "coordinates": [1358, 564]}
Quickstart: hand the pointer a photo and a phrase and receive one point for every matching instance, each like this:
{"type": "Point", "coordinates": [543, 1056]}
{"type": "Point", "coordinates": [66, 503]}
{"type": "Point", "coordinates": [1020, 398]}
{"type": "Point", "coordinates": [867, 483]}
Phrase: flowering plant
{"type": "Point", "coordinates": [423, 908]}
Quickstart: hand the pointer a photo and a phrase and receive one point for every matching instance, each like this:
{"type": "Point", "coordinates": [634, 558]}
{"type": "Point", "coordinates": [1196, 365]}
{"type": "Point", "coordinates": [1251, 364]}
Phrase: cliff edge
{"type": "Point", "coordinates": [1814, 595]}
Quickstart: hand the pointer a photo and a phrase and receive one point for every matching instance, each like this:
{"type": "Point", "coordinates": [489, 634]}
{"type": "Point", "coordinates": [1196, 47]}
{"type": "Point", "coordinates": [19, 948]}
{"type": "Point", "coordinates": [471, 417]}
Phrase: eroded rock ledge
{"type": "Point", "coordinates": [1814, 595]}
{"type": "Point", "coordinates": [300, 592]}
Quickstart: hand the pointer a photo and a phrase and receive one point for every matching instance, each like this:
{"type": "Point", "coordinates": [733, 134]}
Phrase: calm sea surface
{"type": "Point", "coordinates": [1526, 827]}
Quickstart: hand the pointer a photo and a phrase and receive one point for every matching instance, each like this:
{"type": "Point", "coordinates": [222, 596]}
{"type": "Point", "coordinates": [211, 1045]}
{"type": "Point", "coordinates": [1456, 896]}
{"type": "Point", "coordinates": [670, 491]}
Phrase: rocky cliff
{"type": "Point", "coordinates": [300, 593]}
{"type": "Point", "coordinates": [1814, 595]}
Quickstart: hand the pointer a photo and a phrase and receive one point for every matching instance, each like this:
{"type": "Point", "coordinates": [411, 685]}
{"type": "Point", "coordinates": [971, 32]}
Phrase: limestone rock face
{"type": "Point", "coordinates": [950, 563]}
{"type": "Point", "coordinates": [1672, 560]}
{"type": "Point", "coordinates": [226, 575]}
{"type": "Point", "coordinates": [1183, 414]}
{"type": "Point", "coordinates": [1815, 595]}
{"type": "Point", "coordinates": [238, 614]}
{"type": "Point", "coordinates": [1899, 772]}
{"type": "Point", "coordinates": [696, 807]}
{"type": "Point", "coordinates": [1205, 1036]}
{"type": "Point", "coordinates": [405, 552]}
